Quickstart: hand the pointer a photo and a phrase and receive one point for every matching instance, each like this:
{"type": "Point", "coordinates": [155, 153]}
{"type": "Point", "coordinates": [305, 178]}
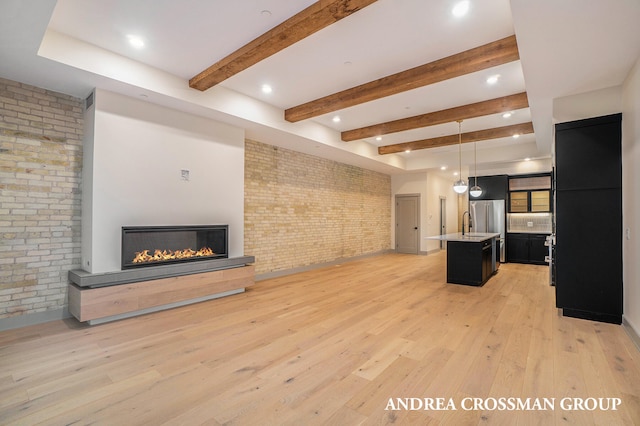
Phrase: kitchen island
{"type": "Point", "coordinates": [471, 258]}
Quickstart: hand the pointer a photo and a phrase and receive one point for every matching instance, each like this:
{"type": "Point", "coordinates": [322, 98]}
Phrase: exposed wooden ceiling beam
{"type": "Point", "coordinates": [312, 19]}
{"type": "Point", "coordinates": [480, 135]}
{"type": "Point", "coordinates": [463, 112]}
{"type": "Point", "coordinates": [489, 55]}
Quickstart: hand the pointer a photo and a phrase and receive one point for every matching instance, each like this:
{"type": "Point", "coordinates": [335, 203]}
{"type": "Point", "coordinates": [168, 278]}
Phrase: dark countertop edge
{"type": "Point", "coordinates": [83, 278]}
{"type": "Point", "coordinates": [530, 232]}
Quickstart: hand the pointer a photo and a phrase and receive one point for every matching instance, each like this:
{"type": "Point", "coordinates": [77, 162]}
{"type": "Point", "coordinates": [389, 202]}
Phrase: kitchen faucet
{"type": "Point", "coordinates": [469, 227]}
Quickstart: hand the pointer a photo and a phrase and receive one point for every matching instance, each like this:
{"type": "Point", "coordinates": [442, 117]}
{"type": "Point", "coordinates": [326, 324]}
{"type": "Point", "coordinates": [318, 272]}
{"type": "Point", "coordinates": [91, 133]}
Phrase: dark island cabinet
{"type": "Point", "coordinates": [527, 248]}
{"type": "Point", "coordinates": [493, 187]}
{"type": "Point", "coordinates": [588, 251]}
{"type": "Point", "coordinates": [469, 263]}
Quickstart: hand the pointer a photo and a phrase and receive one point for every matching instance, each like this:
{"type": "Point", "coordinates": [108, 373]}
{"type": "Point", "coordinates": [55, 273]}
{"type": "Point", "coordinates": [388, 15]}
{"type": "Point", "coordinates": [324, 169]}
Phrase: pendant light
{"type": "Point", "coordinates": [475, 190]}
{"type": "Point", "coordinates": [460, 186]}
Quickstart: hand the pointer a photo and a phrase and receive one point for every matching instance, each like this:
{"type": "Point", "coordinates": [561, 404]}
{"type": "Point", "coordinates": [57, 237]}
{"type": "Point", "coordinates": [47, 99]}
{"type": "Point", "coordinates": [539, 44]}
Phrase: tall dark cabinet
{"type": "Point", "coordinates": [588, 196]}
{"type": "Point", "coordinates": [493, 187]}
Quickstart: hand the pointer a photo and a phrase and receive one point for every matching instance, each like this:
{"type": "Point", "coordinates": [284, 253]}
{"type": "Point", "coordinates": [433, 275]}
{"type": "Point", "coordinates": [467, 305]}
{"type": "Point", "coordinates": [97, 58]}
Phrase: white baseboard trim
{"type": "Point", "coordinates": [285, 272]}
{"type": "Point", "coordinates": [434, 251]}
{"type": "Point", "coordinates": [33, 319]}
{"type": "Point", "coordinates": [631, 332]}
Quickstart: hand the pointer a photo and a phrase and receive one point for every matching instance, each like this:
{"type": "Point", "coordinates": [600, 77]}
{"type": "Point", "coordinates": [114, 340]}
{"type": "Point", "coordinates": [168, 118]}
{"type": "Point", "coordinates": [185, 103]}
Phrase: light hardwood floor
{"type": "Point", "coordinates": [330, 346]}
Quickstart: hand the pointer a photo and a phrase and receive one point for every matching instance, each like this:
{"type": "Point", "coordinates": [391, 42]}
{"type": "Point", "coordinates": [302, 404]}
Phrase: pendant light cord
{"type": "Point", "coordinates": [460, 148]}
{"type": "Point", "coordinates": [475, 163]}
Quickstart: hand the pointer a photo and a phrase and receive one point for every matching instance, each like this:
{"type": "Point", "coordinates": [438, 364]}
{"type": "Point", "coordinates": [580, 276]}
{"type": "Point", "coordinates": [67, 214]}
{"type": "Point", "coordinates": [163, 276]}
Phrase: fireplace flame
{"type": "Point", "coordinates": [160, 255]}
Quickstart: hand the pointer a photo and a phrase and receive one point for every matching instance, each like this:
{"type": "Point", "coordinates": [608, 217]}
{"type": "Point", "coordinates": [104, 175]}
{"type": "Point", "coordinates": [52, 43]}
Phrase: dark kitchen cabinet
{"type": "Point", "coordinates": [538, 251]}
{"type": "Point", "coordinates": [527, 248]}
{"type": "Point", "coordinates": [530, 193]}
{"type": "Point", "coordinates": [590, 154]}
{"type": "Point", "coordinates": [469, 263]}
{"type": "Point", "coordinates": [519, 202]}
{"type": "Point", "coordinates": [487, 260]}
{"type": "Point", "coordinates": [540, 201]}
{"type": "Point", "coordinates": [588, 251]}
{"type": "Point", "coordinates": [517, 248]}
{"type": "Point", "coordinates": [493, 187]}
{"type": "Point", "coordinates": [530, 201]}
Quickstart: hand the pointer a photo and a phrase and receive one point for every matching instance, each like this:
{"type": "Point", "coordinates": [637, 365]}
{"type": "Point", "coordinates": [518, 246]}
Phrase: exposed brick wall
{"type": "Point", "coordinates": [302, 210]}
{"type": "Point", "coordinates": [40, 169]}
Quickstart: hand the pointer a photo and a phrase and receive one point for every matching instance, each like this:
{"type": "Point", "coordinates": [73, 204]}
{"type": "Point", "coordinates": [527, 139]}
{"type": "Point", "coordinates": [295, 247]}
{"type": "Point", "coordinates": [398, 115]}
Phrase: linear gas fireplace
{"type": "Point", "coordinates": [160, 245]}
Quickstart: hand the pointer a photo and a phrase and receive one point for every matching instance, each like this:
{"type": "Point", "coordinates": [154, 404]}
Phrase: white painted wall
{"type": "Point", "coordinates": [630, 196]}
{"type": "Point", "coordinates": [410, 183]}
{"type": "Point", "coordinates": [139, 150]}
{"type": "Point", "coordinates": [542, 165]}
{"type": "Point", "coordinates": [87, 188]}
{"type": "Point", "coordinates": [440, 186]}
{"type": "Point", "coordinates": [430, 186]}
{"type": "Point", "coordinates": [586, 105]}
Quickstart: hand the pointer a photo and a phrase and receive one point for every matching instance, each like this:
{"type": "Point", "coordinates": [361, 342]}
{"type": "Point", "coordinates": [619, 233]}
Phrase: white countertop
{"type": "Point", "coordinates": [467, 237]}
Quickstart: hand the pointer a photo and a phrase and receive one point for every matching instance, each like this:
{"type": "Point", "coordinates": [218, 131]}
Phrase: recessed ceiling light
{"type": "Point", "coordinates": [455, 173]}
{"type": "Point", "coordinates": [347, 63]}
{"type": "Point", "coordinates": [379, 138]}
{"type": "Point", "coordinates": [516, 136]}
{"type": "Point", "coordinates": [336, 119]}
{"type": "Point", "coordinates": [507, 114]}
{"type": "Point", "coordinates": [527, 159]}
{"type": "Point", "coordinates": [135, 41]}
{"type": "Point", "coordinates": [266, 88]}
{"type": "Point", "coordinates": [460, 9]}
{"type": "Point", "coordinates": [493, 79]}
{"type": "Point", "coordinates": [265, 13]}
{"type": "Point", "coordinates": [407, 151]}
{"type": "Point", "coordinates": [443, 168]}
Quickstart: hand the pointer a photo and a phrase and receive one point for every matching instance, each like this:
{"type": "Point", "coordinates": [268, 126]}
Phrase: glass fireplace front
{"type": "Point", "coordinates": [160, 245]}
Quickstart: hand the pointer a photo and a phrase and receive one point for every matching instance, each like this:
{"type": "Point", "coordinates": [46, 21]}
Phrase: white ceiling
{"type": "Point", "coordinates": [566, 47]}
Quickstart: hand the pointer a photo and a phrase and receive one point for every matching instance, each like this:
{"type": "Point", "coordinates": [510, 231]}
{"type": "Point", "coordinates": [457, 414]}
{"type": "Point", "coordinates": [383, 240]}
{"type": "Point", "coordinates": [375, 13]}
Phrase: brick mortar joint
{"type": "Point", "coordinates": [29, 135]}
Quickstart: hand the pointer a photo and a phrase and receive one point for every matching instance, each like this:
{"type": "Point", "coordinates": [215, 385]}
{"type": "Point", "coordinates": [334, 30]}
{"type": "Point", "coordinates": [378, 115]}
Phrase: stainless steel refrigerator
{"type": "Point", "coordinates": [489, 216]}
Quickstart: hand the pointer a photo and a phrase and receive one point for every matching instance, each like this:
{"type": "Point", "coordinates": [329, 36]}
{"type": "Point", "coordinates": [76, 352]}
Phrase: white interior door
{"type": "Point", "coordinates": [443, 220]}
{"type": "Point", "coordinates": [407, 223]}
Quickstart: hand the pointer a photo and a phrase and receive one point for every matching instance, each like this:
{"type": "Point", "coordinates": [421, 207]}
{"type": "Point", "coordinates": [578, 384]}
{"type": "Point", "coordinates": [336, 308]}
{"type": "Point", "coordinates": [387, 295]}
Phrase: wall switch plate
{"type": "Point", "coordinates": [627, 233]}
{"type": "Point", "coordinates": [184, 174]}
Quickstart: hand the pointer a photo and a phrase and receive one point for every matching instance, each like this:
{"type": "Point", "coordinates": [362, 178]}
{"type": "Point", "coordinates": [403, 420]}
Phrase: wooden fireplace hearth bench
{"type": "Point", "coordinates": [98, 298]}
